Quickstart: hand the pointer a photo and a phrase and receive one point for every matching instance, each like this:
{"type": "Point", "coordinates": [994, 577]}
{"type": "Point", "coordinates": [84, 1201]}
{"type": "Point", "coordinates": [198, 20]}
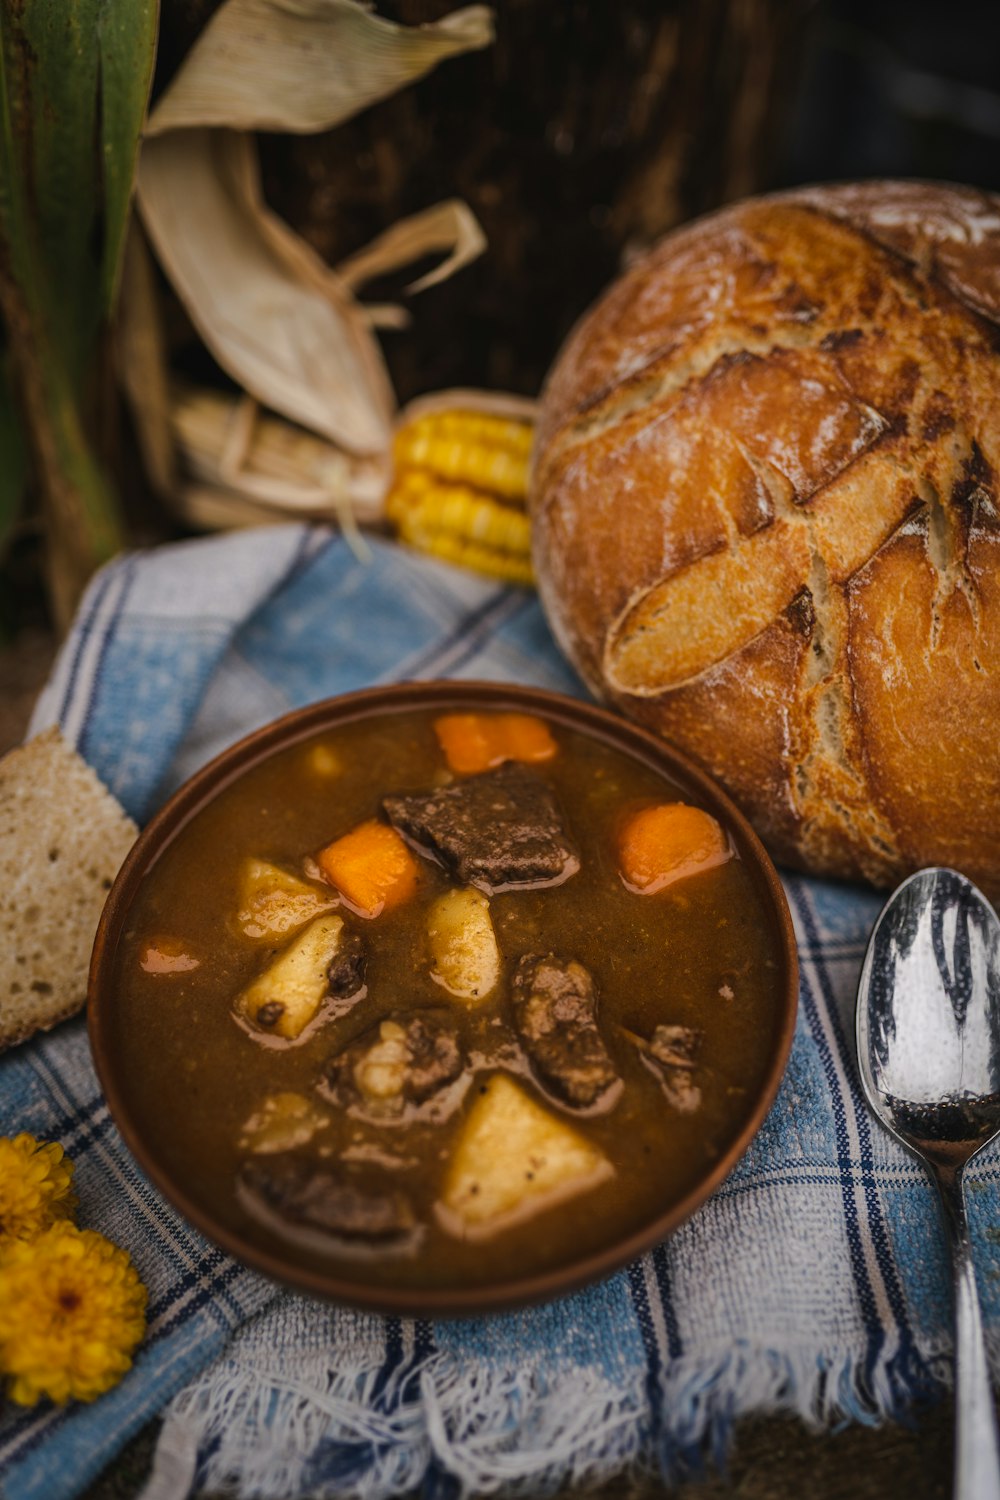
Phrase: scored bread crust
{"type": "Point", "coordinates": [63, 838]}
{"type": "Point", "coordinates": [766, 520]}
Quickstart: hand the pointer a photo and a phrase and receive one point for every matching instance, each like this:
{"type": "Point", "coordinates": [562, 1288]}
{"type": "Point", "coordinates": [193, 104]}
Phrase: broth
{"type": "Point", "coordinates": [703, 954]}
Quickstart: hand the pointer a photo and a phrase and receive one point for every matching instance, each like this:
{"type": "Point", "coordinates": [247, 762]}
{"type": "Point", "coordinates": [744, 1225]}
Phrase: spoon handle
{"type": "Point", "coordinates": [977, 1450]}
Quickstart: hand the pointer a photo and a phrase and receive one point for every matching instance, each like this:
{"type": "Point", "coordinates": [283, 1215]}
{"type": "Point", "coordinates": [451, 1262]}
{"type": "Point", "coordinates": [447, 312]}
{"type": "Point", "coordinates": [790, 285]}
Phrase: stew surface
{"type": "Point", "coordinates": [414, 1134]}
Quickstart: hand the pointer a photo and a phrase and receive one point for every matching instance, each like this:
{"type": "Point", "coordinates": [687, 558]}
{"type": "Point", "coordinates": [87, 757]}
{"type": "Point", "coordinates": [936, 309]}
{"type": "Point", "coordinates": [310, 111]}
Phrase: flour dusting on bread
{"type": "Point", "coordinates": [766, 516]}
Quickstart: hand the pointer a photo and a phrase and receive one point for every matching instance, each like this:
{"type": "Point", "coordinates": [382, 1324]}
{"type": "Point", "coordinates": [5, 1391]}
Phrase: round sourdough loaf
{"type": "Point", "coordinates": [766, 519]}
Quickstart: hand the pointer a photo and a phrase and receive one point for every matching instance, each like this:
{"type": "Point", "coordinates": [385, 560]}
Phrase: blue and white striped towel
{"type": "Point", "coordinates": [814, 1281]}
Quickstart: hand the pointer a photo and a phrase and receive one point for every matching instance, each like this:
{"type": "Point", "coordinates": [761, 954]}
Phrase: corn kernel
{"type": "Point", "coordinates": [460, 490]}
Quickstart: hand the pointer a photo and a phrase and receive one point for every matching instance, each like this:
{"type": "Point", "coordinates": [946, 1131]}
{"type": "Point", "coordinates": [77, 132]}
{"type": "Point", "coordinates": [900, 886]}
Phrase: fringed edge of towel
{"type": "Point", "coordinates": [700, 1400]}
{"type": "Point", "coordinates": [459, 1428]}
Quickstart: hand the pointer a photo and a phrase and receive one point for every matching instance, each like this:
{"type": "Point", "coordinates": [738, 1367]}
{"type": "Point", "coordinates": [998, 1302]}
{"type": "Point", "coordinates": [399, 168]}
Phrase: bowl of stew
{"type": "Point", "coordinates": [443, 998]}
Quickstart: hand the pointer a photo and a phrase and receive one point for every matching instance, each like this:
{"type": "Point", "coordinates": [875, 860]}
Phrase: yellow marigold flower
{"type": "Point", "coordinates": [72, 1309]}
{"type": "Point", "coordinates": [35, 1186]}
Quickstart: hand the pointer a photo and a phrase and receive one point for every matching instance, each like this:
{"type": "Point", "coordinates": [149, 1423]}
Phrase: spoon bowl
{"type": "Point", "coordinates": [928, 1032]}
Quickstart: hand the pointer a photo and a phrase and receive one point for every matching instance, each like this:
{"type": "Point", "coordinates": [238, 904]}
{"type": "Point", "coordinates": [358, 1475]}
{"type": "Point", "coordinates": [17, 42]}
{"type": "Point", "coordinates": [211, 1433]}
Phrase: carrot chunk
{"type": "Point", "coordinates": [167, 955]}
{"type": "Point", "coordinates": [666, 843]}
{"type": "Point", "coordinates": [478, 742]}
{"type": "Point", "coordinates": [371, 867]}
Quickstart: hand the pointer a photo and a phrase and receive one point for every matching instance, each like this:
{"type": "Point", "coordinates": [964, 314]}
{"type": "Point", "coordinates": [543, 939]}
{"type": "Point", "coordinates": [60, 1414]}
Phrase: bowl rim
{"type": "Point", "coordinates": [301, 724]}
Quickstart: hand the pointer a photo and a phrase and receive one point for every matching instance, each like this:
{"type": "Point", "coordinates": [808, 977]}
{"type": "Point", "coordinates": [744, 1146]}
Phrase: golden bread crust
{"type": "Point", "coordinates": [767, 523]}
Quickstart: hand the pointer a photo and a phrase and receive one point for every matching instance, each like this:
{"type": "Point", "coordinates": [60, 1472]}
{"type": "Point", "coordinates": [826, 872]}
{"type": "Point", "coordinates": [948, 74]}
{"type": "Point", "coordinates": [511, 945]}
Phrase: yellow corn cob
{"type": "Point", "coordinates": [466, 513]}
{"type": "Point", "coordinates": [506, 566]}
{"type": "Point", "coordinates": [462, 525]}
{"type": "Point", "coordinates": [490, 453]}
{"type": "Point", "coordinates": [460, 490]}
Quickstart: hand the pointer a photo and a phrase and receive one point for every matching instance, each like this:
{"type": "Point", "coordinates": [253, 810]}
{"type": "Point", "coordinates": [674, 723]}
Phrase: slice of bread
{"type": "Point", "coordinates": [63, 838]}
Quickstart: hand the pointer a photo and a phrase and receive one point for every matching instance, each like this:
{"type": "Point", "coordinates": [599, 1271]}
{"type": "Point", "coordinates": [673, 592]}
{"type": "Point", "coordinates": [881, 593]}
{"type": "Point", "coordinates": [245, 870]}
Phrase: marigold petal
{"type": "Point", "coordinates": [72, 1309]}
{"type": "Point", "coordinates": [35, 1186]}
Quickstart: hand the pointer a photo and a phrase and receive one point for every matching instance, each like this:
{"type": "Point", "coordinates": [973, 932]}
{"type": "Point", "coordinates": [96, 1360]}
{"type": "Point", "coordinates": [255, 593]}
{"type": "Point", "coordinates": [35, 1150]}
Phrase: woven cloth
{"type": "Point", "coordinates": [814, 1281]}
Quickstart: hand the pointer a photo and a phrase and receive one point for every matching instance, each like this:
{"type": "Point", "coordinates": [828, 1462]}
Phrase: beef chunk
{"type": "Point", "coordinates": [676, 1046]}
{"type": "Point", "coordinates": [671, 1054]}
{"type": "Point", "coordinates": [435, 1059]}
{"type": "Point", "coordinates": [496, 830]}
{"type": "Point", "coordinates": [305, 1194]}
{"type": "Point", "coordinates": [347, 970]}
{"type": "Point", "coordinates": [400, 1062]}
{"type": "Point", "coordinates": [555, 1014]}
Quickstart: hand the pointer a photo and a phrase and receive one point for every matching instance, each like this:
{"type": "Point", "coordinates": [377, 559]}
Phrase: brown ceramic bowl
{"type": "Point", "coordinates": [512, 1290]}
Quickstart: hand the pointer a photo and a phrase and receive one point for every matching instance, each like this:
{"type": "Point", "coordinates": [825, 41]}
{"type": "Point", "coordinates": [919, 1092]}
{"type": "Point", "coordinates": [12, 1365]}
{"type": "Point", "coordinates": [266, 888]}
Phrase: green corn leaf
{"type": "Point", "coordinates": [57, 48]}
{"type": "Point", "coordinates": [74, 79]}
{"type": "Point", "coordinates": [13, 460]}
{"type": "Point", "coordinates": [79, 76]}
{"type": "Point", "coordinates": [18, 265]}
{"type": "Point", "coordinates": [128, 46]}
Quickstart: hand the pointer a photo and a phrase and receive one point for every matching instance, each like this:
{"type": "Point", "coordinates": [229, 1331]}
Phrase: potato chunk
{"type": "Point", "coordinates": [274, 903]}
{"type": "Point", "coordinates": [324, 760]}
{"type": "Point", "coordinates": [380, 1073]}
{"type": "Point", "coordinates": [285, 998]}
{"type": "Point", "coordinates": [282, 1122]}
{"type": "Point", "coordinates": [464, 945]}
{"type": "Point", "coordinates": [513, 1159]}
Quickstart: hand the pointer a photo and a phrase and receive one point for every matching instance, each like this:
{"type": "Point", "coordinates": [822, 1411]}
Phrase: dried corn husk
{"type": "Point", "coordinates": [305, 65]}
{"type": "Point", "coordinates": [228, 444]}
{"type": "Point", "coordinates": [278, 320]}
{"type": "Point", "coordinates": [461, 398]}
{"type": "Point", "coordinates": [208, 508]}
{"type": "Point", "coordinates": [449, 226]}
{"type": "Point", "coordinates": [273, 315]}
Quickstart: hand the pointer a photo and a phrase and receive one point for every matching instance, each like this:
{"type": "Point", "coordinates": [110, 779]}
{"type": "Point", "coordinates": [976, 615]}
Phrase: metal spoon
{"type": "Point", "coordinates": [929, 1048]}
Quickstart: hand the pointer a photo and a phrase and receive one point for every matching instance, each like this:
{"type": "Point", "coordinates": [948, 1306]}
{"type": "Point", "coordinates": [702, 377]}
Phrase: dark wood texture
{"type": "Point", "coordinates": [585, 132]}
